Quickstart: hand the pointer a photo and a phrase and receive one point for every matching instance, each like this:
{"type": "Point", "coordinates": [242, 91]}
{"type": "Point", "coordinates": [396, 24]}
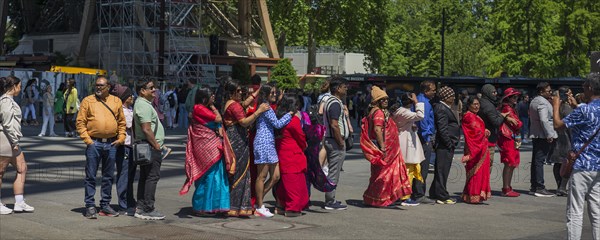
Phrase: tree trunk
{"type": "Point", "coordinates": [281, 44]}
{"type": "Point", "coordinates": [312, 45]}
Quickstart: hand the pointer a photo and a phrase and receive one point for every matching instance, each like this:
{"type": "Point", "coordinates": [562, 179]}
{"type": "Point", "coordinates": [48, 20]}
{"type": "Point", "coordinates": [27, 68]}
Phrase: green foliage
{"type": "Point", "coordinates": [314, 86]}
{"type": "Point", "coordinates": [535, 38]}
{"type": "Point", "coordinates": [241, 71]}
{"type": "Point", "coordinates": [285, 75]}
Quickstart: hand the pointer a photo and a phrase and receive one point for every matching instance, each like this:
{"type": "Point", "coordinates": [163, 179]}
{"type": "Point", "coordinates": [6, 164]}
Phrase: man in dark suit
{"type": "Point", "coordinates": [446, 138]}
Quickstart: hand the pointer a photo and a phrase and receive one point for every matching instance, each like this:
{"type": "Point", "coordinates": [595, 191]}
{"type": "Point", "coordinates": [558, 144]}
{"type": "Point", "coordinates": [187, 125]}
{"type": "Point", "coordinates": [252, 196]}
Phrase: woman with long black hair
{"type": "Point", "coordinates": [237, 124]}
{"type": "Point", "coordinates": [291, 192]}
{"type": "Point", "coordinates": [265, 154]}
{"type": "Point", "coordinates": [30, 97]}
{"type": "Point", "coordinates": [207, 162]}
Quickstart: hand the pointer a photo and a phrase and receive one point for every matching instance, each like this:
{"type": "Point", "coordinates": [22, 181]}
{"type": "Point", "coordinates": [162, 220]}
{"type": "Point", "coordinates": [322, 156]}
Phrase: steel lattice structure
{"type": "Point", "coordinates": [129, 39]}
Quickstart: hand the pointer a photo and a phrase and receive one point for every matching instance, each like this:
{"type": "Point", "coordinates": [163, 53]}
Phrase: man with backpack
{"type": "Point", "coordinates": [169, 103]}
{"type": "Point", "coordinates": [336, 132]}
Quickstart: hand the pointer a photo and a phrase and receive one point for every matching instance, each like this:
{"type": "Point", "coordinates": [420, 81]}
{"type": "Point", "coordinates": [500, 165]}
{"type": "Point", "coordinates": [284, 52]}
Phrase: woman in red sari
{"type": "Point", "coordinates": [509, 140]}
{"type": "Point", "coordinates": [292, 191]}
{"type": "Point", "coordinates": [476, 156]}
{"type": "Point", "coordinates": [209, 158]}
{"type": "Point", "coordinates": [381, 146]}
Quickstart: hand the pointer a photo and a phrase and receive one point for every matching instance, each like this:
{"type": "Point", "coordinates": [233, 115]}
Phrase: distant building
{"type": "Point", "coordinates": [330, 61]}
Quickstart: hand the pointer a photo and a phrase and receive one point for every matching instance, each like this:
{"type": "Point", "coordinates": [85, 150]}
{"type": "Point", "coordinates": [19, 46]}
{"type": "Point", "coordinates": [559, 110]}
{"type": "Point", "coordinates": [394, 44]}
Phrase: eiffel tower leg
{"type": "Point", "coordinates": [265, 22]}
{"type": "Point", "coordinates": [89, 12]}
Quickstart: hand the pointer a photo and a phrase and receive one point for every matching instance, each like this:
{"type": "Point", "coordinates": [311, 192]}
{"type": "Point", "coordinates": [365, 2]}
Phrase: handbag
{"type": "Point", "coordinates": [349, 142]}
{"type": "Point", "coordinates": [141, 151]}
{"type": "Point", "coordinates": [567, 165]}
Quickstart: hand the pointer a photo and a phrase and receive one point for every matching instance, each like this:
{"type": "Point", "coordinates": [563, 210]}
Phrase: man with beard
{"type": "Point", "coordinates": [337, 131]}
{"type": "Point", "coordinates": [543, 136]}
{"type": "Point", "coordinates": [101, 125]}
{"type": "Point", "coordinates": [492, 118]}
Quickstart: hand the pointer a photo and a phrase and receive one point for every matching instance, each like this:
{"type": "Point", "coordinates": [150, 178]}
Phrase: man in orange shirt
{"type": "Point", "coordinates": [101, 125]}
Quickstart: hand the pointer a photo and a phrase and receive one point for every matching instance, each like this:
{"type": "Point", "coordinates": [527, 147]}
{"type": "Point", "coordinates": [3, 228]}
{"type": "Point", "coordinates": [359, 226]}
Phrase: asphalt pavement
{"type": "Point", "coordinates": [55, 188]}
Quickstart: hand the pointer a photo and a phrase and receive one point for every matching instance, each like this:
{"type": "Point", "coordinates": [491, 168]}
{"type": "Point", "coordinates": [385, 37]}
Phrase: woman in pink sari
{"type": "Point", "coordinates": [476, 157]}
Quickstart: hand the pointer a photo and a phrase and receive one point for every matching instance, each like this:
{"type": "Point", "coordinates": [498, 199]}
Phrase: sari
{"type": "Point", "coordinates": [314, 175]}
{"type": "Point", "coordinates": [389, 177]}
{"type": "Point", "coordinates": [291, 193]}
{"type": "Point", "coordinates": [208, 160]}
{"type": "Point", "coordinates": [240, 184]}
{"type": "Point", "coordinates": [477, 187]}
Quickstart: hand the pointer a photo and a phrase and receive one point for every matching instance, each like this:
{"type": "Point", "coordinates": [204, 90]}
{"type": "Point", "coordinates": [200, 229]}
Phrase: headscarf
{"type": "Point", "coordinates": [487, 91]}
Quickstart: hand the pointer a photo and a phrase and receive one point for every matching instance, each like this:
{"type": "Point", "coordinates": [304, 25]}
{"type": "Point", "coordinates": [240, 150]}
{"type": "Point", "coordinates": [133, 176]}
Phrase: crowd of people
{"type": "Point", "coordinates": [242, 145]}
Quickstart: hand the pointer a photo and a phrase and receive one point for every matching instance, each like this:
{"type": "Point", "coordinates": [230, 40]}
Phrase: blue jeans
{"type": "Point", "coordinates": [183, 116]}
{"type": "Point", "coordinates": [125, 176]}
{"type": "Point", "coordinates": [94, 154]}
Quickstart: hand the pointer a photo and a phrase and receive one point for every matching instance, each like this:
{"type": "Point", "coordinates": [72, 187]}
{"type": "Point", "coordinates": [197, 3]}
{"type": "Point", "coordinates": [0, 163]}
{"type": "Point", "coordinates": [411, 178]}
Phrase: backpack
{"type": "Point", "coordinates": [314, 116]}
{"type": "Point", "coordinates": [171, 100]}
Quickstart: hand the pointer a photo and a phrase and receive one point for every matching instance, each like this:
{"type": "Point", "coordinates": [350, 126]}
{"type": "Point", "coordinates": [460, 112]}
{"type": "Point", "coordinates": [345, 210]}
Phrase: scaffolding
{"type": "Point", "coordinates": [130, 32]}
{"type": "Point", "coordinates": [189, 51]}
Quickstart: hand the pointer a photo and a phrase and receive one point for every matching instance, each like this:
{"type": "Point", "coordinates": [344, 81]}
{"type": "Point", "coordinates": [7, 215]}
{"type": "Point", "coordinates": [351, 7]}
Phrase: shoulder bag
{"type": "Point", "coordinates": [567, 165]}
{"type": "Point", "coordinates": [141, 151]}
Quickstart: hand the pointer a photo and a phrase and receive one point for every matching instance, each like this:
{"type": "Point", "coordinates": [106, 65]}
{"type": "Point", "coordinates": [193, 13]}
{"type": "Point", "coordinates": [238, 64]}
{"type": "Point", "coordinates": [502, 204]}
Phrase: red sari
{"type": "Point", "coordinates": [389, 177]}
{"type": "Point", "coordinates": [200, 154]}
{"type": "Point", "coordinates": [509, 153]}
{"type": "Point", "coordinates": [292, 193]}
{"type": "Point", "coordinates": [477, 188]}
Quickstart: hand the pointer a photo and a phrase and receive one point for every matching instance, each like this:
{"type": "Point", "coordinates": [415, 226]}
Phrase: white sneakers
{"type": "Point", "coordinates": [263, 212]}
{"type": "Point", "coordinates": [4, 210]}
{"type": "Point", "coordinates": [23, 207]}
{"type": "Point", "coordinates": [19, 207]}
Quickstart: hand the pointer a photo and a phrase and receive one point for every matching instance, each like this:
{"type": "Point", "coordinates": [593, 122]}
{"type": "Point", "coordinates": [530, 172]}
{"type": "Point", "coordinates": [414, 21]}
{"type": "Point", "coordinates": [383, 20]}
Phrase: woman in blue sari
{"type": "Point", "coordinates": [207, 160]}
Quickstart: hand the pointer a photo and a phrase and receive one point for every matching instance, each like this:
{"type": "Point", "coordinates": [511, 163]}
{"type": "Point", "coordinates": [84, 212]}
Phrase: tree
{"type": "Point", "coordinates": [525, 37]}
{"type": "Point", "coordinates": [285, 75]}
{"type": "Point", "coordinates": [348, 24]}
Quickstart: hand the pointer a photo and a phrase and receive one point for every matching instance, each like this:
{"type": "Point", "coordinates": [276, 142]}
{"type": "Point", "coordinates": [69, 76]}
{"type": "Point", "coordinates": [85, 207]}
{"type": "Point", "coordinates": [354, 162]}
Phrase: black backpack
{"type": "Point", "coordinates": [313, 113]}
{"type": "Point", "coordinates": [171, 100]}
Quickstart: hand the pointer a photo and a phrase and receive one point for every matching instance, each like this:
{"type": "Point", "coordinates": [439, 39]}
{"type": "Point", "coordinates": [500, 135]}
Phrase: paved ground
{"type": "Point", "coordinates": [55, 188]}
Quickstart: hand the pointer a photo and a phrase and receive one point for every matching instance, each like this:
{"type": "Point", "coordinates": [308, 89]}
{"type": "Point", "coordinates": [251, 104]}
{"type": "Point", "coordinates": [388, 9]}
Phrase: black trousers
{"type": "Point", "coordinates": [69, 122]}
{"type": "Point", "coordinates": [443, 163]}
{"type": "Point", "coordinates": [419, 188]}
{"type": "Point", "coordinates": [541, 151]}
{"type": "Point", "coordinates": [149, 176]}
